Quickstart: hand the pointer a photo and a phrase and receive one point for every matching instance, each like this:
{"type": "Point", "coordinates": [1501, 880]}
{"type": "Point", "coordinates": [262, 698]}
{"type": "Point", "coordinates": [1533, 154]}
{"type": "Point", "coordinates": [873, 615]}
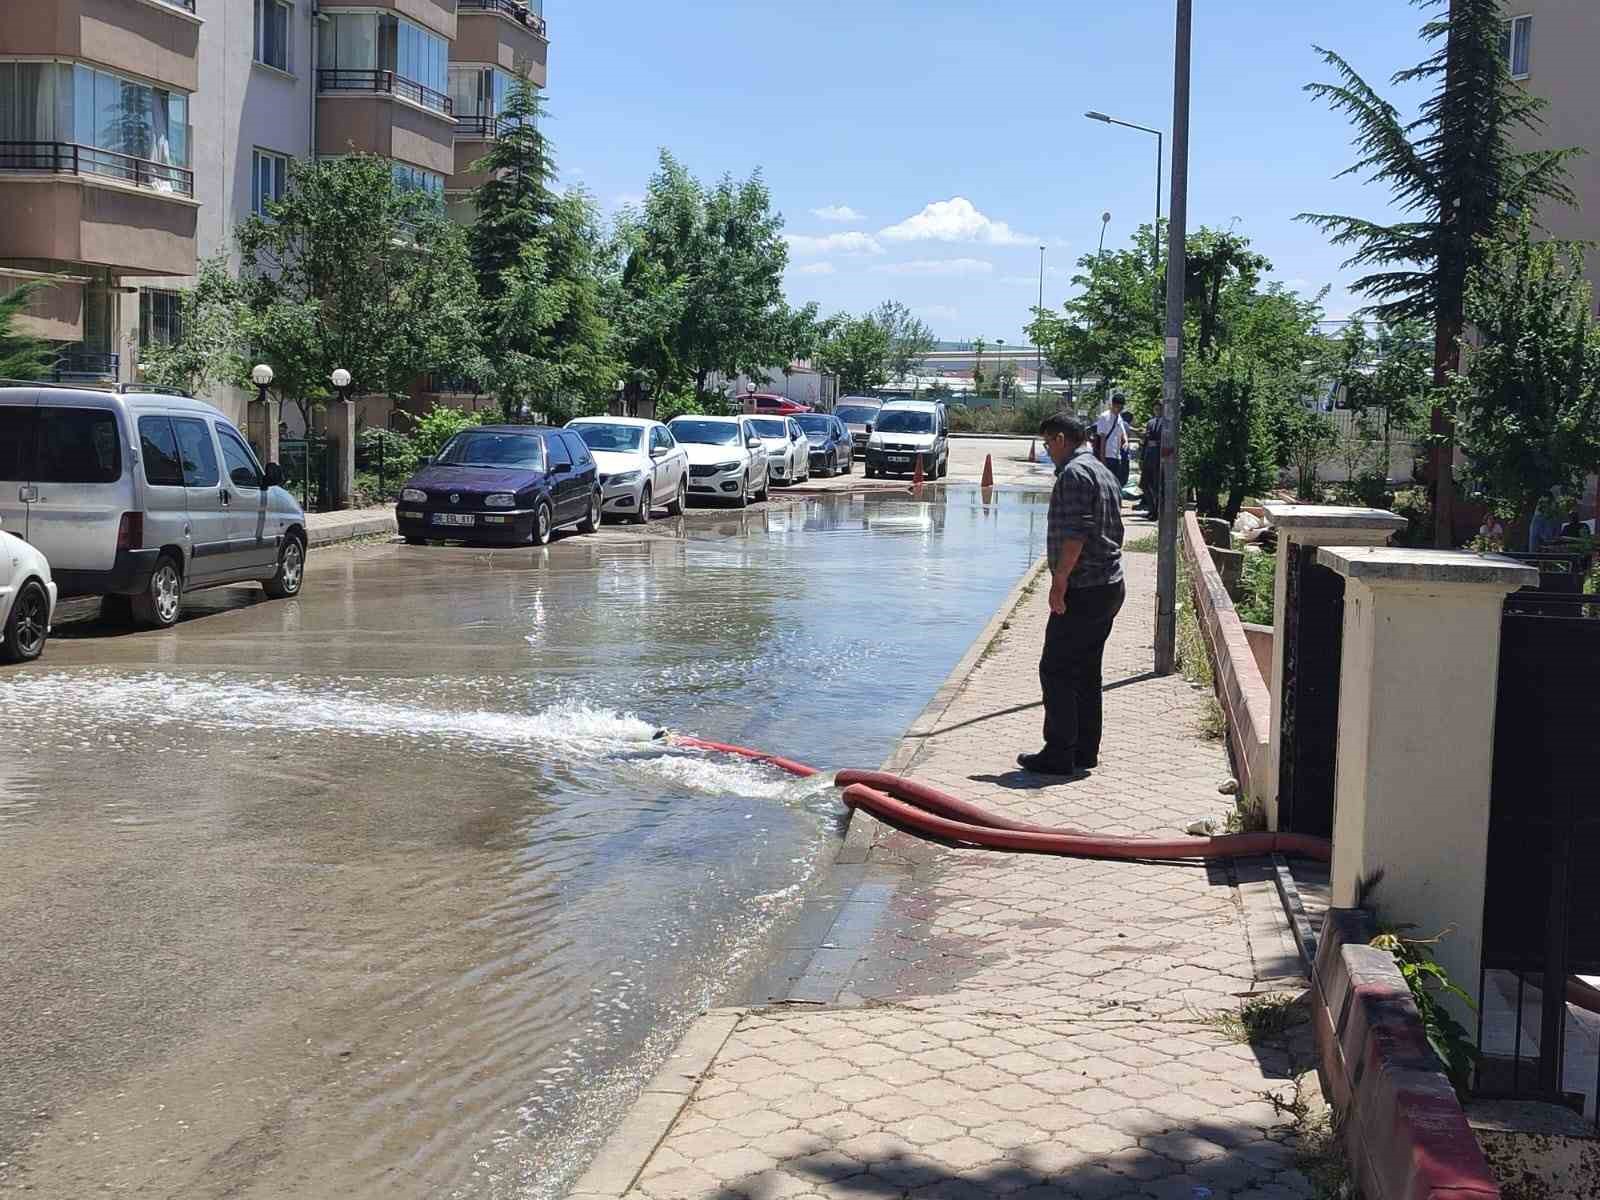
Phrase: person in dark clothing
{"type": "Point", "coordinates": [1150, 467]}
{"type": "Point", "coordinates": [1084, 541]}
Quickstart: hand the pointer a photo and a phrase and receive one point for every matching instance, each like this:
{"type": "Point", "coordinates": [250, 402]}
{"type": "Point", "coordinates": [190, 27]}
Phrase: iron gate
{"type": "Point", "coordinates": [1541, 923]}
{"type": "Point", "coordinates": [308, 464]}
{"type": "Point", "coordinates": [1313, 647]}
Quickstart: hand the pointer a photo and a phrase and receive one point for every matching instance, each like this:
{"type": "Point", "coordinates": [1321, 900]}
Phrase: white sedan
{"type": "Point", "coordinates": [726, 459]}
{"type": "Point", "coordinates": [787, 447]}
{"type": "Point", "coordinates": [641, 465]}
{"type": "Point", "coordinates": [27, 600]}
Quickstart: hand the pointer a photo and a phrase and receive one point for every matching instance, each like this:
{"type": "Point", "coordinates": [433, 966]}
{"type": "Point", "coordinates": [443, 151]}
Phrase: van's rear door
{"type": "Point", "coordinates": [81, 485]}
{"type": "Point", "coordinates": [17, 418]}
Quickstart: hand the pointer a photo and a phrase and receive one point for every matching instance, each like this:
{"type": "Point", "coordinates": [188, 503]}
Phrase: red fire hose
{"type": "Point", "coordinates": [920, 809]}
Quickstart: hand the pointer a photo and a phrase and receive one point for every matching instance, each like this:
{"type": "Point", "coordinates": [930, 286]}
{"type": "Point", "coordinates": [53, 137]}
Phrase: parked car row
{"type": "Point", "coordinates": [136, 496]}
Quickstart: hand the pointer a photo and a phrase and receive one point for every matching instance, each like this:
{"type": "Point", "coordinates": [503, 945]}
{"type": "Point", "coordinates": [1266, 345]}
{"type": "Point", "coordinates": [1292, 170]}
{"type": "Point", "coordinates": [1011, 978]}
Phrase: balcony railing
{"type": "Point", "coordinates": [517, 12]}
{"type": "Point", "coordinates": [69, 158]}
{"type": "Point", "coordinates": [186, 5]}
{"type": "Point", "coordinates": [342, 79]}
{"type": "Point", "coordinates": [476, 125]}
{"type": "Point", "coordinates": [76, 365]}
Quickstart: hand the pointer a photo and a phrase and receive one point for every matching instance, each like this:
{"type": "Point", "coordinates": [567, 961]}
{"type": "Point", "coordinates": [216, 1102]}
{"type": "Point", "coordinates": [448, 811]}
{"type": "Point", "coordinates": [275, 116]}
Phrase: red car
{"type": "Point", "coordinates": [779, 406]}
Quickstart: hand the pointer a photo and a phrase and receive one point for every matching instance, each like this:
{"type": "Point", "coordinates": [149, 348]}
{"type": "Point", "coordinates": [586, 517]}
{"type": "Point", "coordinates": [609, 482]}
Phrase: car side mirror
{"type": "Point", "coordinates": [560, 468]}
{"type": "Point", "coordinates": [426, 461]}
{"type": "Point", "coordinates": [274, 475]}
{"type": "Point", "coordinates": [658, 452]}
{"type": "Point", "coordinates": [754, 443]}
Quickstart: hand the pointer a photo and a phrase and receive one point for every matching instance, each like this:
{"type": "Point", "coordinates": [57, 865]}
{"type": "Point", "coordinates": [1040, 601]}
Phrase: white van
{"type": "Point", "coordinates": [908, 432]}
{"type": "Point", "coordinates": [144, 495]}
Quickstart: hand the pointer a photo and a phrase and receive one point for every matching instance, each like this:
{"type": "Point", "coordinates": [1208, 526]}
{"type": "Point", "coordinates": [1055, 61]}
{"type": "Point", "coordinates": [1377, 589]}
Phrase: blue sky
{"type": "Point", "coordinates": [923, 151]}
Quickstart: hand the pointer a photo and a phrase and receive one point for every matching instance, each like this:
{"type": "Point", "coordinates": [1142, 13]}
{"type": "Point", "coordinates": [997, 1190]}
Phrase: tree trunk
{"type": "Point", "coordinates": [1235, 502]}
{"type": "Point", "coordinates": [1208, 503]}
{"type": "Point", "coordinates": [1441, 456]}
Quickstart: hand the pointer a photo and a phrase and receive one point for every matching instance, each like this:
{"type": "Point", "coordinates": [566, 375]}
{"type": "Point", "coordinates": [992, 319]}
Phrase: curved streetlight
{"type": "Point", "coordinates": [341, 382]}
{"type": "Point", "coordinates": [1155, 235]}
{"type": "Point", "coordinates": [261, 376]}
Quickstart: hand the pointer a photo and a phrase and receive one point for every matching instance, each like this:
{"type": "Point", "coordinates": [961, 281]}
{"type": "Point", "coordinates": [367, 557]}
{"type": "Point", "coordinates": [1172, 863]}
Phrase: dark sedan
{"type": "Point", "coordinates": [831, 447]}
{"type": "Point", "coordinates": [507, 484]}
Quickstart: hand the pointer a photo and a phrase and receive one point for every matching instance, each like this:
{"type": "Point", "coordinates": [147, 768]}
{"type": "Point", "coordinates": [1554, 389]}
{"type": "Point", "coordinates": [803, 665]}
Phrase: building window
{"type": "Point", "coordinates": [480, 94]}
{"type": "Point", "coordinates": [269, 180]}
{"type": "Point", "coordinates": [1516, 43]}
{"type": "Point", "coordinates": [416, 179]}
{"type": "Point", "coordinates": [272, 33]}
{"type": "Point", "coordinates": [353, 44]}
{"type": "Point", "coordinates": [160, 317]}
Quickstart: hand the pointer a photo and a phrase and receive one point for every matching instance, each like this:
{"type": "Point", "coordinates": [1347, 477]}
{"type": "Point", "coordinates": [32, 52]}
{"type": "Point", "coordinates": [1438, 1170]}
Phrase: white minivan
{"type": "Point", "coordinates": [908, 433]}
{"type": "Point", "coordinates": [141, 496]}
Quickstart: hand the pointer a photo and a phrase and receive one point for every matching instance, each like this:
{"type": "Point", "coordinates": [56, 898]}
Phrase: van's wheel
{"type": "Point", "coordinates": [162, 599]}
{"type": "Point", "coordinates": [681, 502]}
{"type": "Point", "coordinates": [291, 571]}
{"type": "Point", "coordinates": [29, 624]}
{"type": "Point", "coordinates": [646, 499]}
{"type": "Point", "coordinates": [591, 520]}
{"type": "Point", "coordinates": [766, 489]}
{"type": "Point", "coordinates": [744, 492]}
{"type": "Point", "coordinates": [869, 472]}
{"type": "Point", "coordinates": [542, 527]}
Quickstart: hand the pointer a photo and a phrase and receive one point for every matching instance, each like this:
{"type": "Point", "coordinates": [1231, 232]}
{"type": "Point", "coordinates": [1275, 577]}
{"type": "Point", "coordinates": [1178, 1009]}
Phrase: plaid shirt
{"type": "Point", "coordinates": [1087, 504]}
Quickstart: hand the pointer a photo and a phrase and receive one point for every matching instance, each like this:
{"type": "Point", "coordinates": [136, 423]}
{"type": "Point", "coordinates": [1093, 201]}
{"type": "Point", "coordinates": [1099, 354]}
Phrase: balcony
{"type": "Point", "coordinates": [356, 111]}
{"type": "Point", "coordinates": [340, 79]}
{"type": "Point", "coordinates": [75, 204]}
{"type": "Point", "coordinates": [503, 34]}
{"type": "Point", "coordinates": [77, 365]}
{"type": "Point", "coordinates": [159, 42]}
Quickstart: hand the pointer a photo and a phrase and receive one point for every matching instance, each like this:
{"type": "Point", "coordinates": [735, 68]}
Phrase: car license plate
{"type": "Point", "coordinates": [899, 458]}
{"type": "Point", "coordinates": [454, 519]}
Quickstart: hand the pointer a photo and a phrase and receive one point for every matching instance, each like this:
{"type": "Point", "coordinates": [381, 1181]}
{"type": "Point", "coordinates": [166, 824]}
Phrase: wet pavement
{"type": "Point", "coordinates": [388, 890]}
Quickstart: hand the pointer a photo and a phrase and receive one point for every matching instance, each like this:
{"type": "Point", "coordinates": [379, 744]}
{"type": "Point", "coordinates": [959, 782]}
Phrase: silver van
{"type": "Point", "coordinates": [141, 496]}
{"type": "Point", "coordinates": [908, 433]}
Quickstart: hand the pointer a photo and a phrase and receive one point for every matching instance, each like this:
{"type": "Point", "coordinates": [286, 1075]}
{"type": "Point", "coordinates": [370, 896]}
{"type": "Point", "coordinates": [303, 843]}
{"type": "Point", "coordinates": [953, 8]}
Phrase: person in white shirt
{"type": "Point", "coordinates": [1111, 439]}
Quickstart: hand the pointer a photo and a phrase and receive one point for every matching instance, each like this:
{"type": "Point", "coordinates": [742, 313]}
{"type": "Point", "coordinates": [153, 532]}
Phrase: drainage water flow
{"type": "Point", "coordinates": [390, 891]}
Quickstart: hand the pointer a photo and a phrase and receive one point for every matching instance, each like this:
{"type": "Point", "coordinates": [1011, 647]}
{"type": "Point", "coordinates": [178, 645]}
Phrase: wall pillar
{"type": "Point", "coordinates": [1417, 695]}
{"type": "Point", "coordinates": [341, 426]}
{"type": "Point", "coordinates": [263, 430]}
{"type": "Point", "coordinates": [1308, 525]}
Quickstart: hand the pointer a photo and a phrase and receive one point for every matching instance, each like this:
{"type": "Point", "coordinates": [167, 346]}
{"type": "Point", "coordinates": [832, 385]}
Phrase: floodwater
{"type": "Point", "coordinates": [388, 891]}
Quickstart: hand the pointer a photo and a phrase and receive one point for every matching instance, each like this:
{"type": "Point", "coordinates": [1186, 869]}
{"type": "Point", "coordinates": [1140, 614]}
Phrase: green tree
{"type": "Point", "coordinates": [22, 356]}
{"type": "Point", "coordinates": [701, 281]}
{"type": "Point", "coordinates": [211, 348]}
{"type": "Point", "coordinates": [856, 349]}
{"type": "Point", "coordinates": [1527, 409]}
{"type": "Point", "coordinates": [1454, 173]}
{"type": "Point", "coordinates": [910, 338]}
{"type": "Point", "coordinates": [351, 270]}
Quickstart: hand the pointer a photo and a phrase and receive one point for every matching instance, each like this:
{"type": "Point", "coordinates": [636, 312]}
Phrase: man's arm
{"type": "Point", "coordinates": [1061, 571]}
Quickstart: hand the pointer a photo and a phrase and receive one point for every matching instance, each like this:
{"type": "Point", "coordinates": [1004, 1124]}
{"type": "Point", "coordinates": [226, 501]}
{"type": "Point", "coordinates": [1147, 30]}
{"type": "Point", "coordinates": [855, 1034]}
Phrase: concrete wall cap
{"type": "Point", "coordinates": [1393, 564]}
{"type": "Point", "coordinates": [1331, 516]}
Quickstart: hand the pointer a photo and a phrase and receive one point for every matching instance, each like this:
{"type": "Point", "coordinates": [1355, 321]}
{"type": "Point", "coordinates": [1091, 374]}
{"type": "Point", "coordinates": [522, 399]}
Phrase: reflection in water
{"type": "Point", "coordinates": [390, 891]}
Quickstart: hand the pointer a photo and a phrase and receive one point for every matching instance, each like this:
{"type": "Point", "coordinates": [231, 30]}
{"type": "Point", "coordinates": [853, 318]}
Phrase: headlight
{"type": "Point", "coordinates": [414, 496]}
{"type": "Point", "coordinates": [501, 500]}
{"type": "Point", "coordinates": [731, 466]}
{"type": "Point", "coordinates": [626, 477]}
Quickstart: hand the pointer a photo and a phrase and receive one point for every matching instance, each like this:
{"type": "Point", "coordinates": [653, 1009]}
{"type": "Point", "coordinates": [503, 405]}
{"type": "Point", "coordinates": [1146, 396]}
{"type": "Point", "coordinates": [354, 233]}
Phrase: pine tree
{"type": "Point", "coordinates": [22, 356]}
{"type": "Point", "coordinates": [1456, 174]}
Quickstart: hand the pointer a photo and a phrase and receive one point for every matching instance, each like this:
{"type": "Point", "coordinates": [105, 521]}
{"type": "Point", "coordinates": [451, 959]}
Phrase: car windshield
{"type": "Point", "coordinates": [817, 423]}
{"type": "Point", "coordinates": [902, 420]}
{"type": "Point", "coordinates": [610, 437]}
{"type": "Point", "coordinates": [857, 416]}
{"type": "Point", "coordinates": [478, 448]}
{"type": "Point", "coordinates": [767, 427]}
{"type": "Point", "coordinates": [706, 433]}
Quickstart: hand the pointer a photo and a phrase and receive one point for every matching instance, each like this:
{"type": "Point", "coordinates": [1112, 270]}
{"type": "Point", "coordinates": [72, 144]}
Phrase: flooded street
{"type": "Point", "coordinates": [389, 892]}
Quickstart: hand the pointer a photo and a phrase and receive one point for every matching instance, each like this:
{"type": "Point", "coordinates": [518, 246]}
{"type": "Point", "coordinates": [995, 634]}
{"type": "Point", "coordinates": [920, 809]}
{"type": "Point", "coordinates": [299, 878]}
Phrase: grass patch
{"type": "Point", "coordinates": [1248, 816]}
{"type": "Point", "coordinates": [1194, 660]}
{"type": "Point", "coordinates": [1213, 721]}
{"type": "Point", "coordinates": [1150, 543]}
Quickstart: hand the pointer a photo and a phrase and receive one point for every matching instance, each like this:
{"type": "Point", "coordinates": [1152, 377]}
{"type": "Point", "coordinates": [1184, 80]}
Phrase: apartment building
{"type": "Point", "coordinates": [135, 136]}
{"type": "Point", "coordinates": [1553, 46]}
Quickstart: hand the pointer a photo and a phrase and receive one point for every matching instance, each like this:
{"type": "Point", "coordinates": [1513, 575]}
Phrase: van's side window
{"type": "Point", "coordinates": [78, 445]}
{"type": "Point", "coordinates": [241, 464]}
{"type": "Point", "coordinates": [16, 442]}
{"type": "Point", "coordinates": [159, 448]}
{"type": "Point", "coordinates": [199, 455]}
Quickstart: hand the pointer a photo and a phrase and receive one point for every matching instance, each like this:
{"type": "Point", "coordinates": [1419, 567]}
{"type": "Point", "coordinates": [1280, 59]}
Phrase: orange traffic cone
{"type": "Point", "coordinates": [916, 474]}
{"type": "Point", "coordinates": [988, 471]}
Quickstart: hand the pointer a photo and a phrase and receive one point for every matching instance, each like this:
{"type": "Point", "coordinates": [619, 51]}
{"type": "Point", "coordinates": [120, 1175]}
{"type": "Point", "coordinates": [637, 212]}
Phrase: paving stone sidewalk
{"type": "Point", "coordinates": [1022, 1024]}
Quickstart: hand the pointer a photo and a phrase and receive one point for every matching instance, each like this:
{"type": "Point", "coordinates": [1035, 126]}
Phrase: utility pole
{"type": "Point", "coordinates": [1038, 361]}
{"type": "Point", "coordinates": [1172, 375]}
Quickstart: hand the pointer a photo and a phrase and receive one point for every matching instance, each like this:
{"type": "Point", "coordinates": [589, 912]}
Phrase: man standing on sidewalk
{"type": "Point", "coordinates": [1111, 434]}
{"type": "Point", "coordinates": [1084, 541]}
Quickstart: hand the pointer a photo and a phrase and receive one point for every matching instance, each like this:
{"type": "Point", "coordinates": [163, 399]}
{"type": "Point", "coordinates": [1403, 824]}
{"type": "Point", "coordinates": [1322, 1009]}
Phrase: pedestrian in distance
{"type": "Point", "coordinates": [1150, 467]}
{"type": "Point", "coordinates": [1111, 439]}
{"type": "Point", "coordinates": [1084, 542]}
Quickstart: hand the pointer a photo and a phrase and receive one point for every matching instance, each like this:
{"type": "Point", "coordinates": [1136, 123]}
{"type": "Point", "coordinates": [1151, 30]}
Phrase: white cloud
{"type": "Point", "coordinates": [938, 266]}
{"type": "Point", "coordinates": [955, 220]}
{"type": "Point", "coordinates": [842, 213]}
{"type": "Point", "coordinates": [807, 246]}
{"type": "Point", "coordinates": [818, 268]}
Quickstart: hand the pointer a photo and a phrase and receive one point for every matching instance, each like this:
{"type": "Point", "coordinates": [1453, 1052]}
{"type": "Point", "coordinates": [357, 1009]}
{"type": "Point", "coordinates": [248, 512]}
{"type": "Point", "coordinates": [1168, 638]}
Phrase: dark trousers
{"type": "Point", "coordinates": [1119, 468]}
{"type": "Point", "coordinates": [1069, 671]}
{"type": "Point", "coordinates": [1150, 483]}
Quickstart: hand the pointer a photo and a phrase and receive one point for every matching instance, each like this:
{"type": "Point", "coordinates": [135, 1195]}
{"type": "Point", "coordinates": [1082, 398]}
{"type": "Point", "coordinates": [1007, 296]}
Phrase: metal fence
{"type": "Point", "coordinates": [70, 158]}
{"type": "Point", "coordinates": [1538, 1027]}
{"type": "Point", "coordinates": [1313, 631]}
{"type": "Point", "coordinates": [308, 464]}
{"type": "Point", "coordinates": [343, 79]}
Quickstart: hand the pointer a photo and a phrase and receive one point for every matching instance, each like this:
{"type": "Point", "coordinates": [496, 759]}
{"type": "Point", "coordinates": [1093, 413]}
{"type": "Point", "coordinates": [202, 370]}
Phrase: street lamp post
{"type": "Point", "coordinates": [1038, 358]}
{"type": "Point", "coordinates": [999, 373]}
{"type": "Point", "coordinates": [1155, 233]}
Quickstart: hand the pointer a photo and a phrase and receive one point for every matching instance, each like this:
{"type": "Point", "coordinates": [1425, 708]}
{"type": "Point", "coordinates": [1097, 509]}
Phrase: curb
{"type": "Point", "coordinates": [364, 525]}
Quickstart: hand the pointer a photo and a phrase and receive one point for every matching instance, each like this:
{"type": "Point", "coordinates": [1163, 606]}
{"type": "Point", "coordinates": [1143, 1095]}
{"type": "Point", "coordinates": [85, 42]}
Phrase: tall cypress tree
{"type": "Point", "coordinates": [516, 200]}
{"type": "Point", "coordinates": [1455, 173]}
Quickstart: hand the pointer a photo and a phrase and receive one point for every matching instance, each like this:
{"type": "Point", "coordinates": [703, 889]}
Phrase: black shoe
{"type": "Point", "coordinates": [1047, 764]}
{"type": "Point", "coordinates": [1086, 764]}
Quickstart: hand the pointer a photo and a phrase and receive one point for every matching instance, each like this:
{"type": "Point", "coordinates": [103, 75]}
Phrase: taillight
{"type": "Point", "coordinates": [130, 532]}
